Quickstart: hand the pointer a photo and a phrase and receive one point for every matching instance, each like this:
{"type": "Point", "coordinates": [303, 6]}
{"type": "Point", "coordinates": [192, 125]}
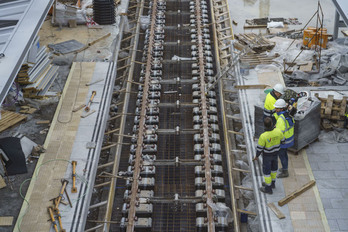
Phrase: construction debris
{"type": "Point", "coordinates": [27, 110]}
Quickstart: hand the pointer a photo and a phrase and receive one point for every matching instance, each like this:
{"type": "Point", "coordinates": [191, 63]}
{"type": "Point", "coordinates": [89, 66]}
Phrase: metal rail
{"type": "Point", "coordinates": [138, 159]}
{"type": "Point", "coordinates": [208, 176]}
{"type": "Point", "coordinates": [111, 195]}
{"type": "Point", "coordinates": [173, 166]}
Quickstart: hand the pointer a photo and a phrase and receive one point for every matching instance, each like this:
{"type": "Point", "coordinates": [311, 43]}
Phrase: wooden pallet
{"type": "Point", "coordinates": [259, 44]}
{"type": "Point", "coordinates": [332, 111]}
{"type": "Point", "coordinates": [255, 59]}
{"type": "Point", "coordinates": [9, 118]}
{"type": "Point", "coordinates": [332, 108]}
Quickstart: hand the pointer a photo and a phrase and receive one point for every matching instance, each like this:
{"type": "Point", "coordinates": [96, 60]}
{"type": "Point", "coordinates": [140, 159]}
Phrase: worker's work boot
{"type": "Point", "coordinates": [266, 189]}
{"type": "Point", "coordinates": [283, 174]}
{"type": "Point", "coordinates": [272, 185]}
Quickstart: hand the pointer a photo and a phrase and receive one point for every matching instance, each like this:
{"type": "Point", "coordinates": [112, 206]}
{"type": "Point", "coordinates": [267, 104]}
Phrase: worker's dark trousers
{"type": "Point", "coordinates": [283, 156]}
{"type": "Point", "coordinates": [269, 165]}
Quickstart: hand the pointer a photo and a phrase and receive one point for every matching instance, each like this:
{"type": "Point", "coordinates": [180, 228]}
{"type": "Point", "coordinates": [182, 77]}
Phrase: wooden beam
{"type": "Point", "coordinates": [250, 86]}
{"type": "Point", "coordinates": [97, 40]}
{"type": "Point", "coordinates": [296, 193]}
{"type": "Point", "coordinates": [276, 211]}
{"type": "Point", "coordinates": [247, 212]}
{"type": "Point", "coordinates": [243, 188]}
{"type": "Point", "coordinates": [240, 170]}
{"type": "Point", "coordinates": [232, 117]}
{"type": "Point", "coordinates": [235, 132]}
{"type": "Point", "coordinates": [254, 26]}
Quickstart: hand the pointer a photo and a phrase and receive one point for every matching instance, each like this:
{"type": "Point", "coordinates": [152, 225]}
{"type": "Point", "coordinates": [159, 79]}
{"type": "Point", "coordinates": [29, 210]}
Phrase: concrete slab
{"type": "Point", "coordinates": [67, 143]}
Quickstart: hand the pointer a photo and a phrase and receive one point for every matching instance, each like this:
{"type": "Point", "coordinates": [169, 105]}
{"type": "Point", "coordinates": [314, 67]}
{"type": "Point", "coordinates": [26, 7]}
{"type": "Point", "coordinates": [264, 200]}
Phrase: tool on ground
{"type": "Point", "coordinates": [90, 101]}
{"type": "Point", "coordinates": [60, 221]}
{"type": "Point", "coordinates": [74, 189]}
{"type": "Point", "coordinates": [50, 211]}
{"type": "Point", "coordinates": [62, 190]}
{"type": "Point", "coordinates": [94, 82]}
{"type": "Point", "coordinates": [88, 114]}
{"type": "Point", "coordinates": [79, 107]}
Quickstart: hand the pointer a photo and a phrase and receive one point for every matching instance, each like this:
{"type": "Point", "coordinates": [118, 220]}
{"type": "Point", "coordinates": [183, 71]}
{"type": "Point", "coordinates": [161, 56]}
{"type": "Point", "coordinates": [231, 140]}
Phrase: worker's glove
{"type": "Point", "coordinates": [255, 158]}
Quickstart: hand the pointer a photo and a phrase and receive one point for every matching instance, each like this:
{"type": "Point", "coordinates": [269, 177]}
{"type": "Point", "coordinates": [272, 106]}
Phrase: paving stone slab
{"type": "Point", "coordinates": [341, 174]}
{"type": "Point", "coordinates": [317, 156]}
{"type": "Point", "coordinates": [332, 165]}
{"type": "Point", "coordinates": [337, 214]}
{"type": "Point", "coordinates": [329, 193]}
{"type": "Point", "coordinates": [333, 224]}
{"type": "Point", "coordinates": [320, 175]}
{"type": "Point", "coordinates": [340, 203]}
{"type": "Point", "coordinates": [323, 148]}
{"type": "Point", "coordinates": [342, 224]}
{"type": "Point", "coordinates": [343, 147]}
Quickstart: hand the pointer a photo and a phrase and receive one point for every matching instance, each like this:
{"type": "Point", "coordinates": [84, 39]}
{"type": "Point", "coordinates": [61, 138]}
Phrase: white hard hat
{"type": "Point", "coordinates": [280, 103]}
{"type": "Point", "coordinates": [279, 88]}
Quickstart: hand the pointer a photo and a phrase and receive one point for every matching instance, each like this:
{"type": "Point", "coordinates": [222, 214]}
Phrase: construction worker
{"type": "Point", "coordinates": [269, 146]}
{"type": "Point", "coordinates": [271, 98]}
{"type": "Point", "coordinates": [286, 124]}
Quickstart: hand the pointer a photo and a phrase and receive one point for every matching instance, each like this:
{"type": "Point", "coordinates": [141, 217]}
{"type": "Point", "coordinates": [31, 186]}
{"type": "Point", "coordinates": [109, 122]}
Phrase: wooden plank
{"type": "Point", "coordinates": [306, 68]}
{"type": "Point", "coordinates": [343, 106]}
{"type": "Point", "coordinates": [262, 86]}
{"type": "Point", "coordinates": [247, 212]}
{"type": "Point", "coordinates": [43, 122]}
{"type": "Point", "coordinates": [241, 170]}
{"type": "Point", "coordinates": [329, 103]}
{"type": "Point", "coordinates": [276, 211]}
{"type": "Point", "coordinates": [296, 193]}
{"type": "Point", "coordinates": [6, 221]}
{"type": "Point", "coordinates": [2, 182]}
{"type": "Point", "coordinates": [235, 132]}
{"type": "Point", "coordinates": [243, 188]}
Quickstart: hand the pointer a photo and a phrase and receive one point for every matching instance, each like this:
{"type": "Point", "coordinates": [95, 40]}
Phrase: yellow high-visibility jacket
{"type": "Point", "coordinates": [286, 128]}
{"type": "Point", "coordinates": [268, 108]}
{"type": "Point", "coordinates": [269, 142]}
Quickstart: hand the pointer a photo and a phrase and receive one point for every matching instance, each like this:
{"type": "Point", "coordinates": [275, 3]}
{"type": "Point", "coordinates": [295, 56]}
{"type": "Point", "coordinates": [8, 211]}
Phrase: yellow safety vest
{"type": "Point", "coordinates": [269, 142]}
{"type": "Point", "coordinates": [287, 130]}
{"type": "Point", "coordinates": [268, 108]}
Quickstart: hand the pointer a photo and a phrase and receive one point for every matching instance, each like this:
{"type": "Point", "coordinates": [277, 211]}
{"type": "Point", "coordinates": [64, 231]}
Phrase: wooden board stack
{"type": "Point", "coordinates": [332, 111]}
{"type": "Point", "coordinates": [9, 118]}
{"type": "Point", "coordinates": [37, 77]}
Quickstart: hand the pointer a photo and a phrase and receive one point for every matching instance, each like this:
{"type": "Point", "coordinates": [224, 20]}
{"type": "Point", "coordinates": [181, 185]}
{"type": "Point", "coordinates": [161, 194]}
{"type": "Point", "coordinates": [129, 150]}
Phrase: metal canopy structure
{"type": "Point", "coordinates": [20, 21]}
{"type": "Point", "coordinates": [341, 10]}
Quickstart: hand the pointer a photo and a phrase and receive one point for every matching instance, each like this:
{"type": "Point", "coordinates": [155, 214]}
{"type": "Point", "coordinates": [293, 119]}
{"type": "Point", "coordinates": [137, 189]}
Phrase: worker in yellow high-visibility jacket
{"type": "Point", "coordinates": [271, 98]}
{"type": "Point", "coordinates": [269, 146]}
{"type": "Point", "coordinates": [286, 124]}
